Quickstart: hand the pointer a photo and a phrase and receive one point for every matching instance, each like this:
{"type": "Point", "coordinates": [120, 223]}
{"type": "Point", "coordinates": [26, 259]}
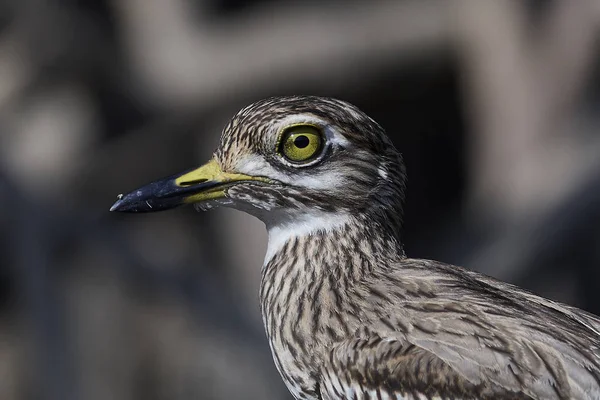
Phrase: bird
{"type": "Point", "coordinates": [347, 314]}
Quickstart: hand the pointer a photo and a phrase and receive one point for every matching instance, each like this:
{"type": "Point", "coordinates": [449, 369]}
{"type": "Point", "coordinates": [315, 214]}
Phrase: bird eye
{"type": "Point", "coordinates": [301, 143]}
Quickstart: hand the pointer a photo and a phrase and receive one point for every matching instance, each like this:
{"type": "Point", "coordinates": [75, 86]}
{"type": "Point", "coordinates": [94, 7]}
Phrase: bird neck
{"type": "Point", "coordinates": [311, 265]}
{"type": "Point", "coordinates": [340, 243]}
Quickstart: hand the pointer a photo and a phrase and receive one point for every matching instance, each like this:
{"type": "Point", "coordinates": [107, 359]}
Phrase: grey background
{"type": "Point", "coordinates": [494, 105]}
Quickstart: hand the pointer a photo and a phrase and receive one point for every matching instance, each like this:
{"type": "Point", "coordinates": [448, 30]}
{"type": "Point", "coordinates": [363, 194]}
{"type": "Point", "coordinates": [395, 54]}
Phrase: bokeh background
{"type": "Point", "coordinates": [494, 104]}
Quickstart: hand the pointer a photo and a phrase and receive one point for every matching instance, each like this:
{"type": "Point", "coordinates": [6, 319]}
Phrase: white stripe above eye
{"type": "Point", "coordinates": [331, 133]}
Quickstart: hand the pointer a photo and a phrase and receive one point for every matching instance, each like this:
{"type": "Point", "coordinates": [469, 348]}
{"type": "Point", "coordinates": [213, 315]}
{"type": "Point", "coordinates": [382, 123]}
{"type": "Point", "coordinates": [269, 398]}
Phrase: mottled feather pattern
{"type": "Point", "coordinates": [349, 316]}
{"type": "Point", "coordinates": [470, 345]}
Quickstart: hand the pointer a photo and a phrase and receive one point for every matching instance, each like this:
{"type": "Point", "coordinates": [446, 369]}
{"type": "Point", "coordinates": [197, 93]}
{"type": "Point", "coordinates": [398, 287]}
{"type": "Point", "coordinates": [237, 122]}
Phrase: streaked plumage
{"type": "Point", "coordinates": [347, 314]}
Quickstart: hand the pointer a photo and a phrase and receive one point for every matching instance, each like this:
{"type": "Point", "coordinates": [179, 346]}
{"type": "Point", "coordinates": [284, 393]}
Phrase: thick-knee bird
{"type": "Point", "coordinates": [347, 314]}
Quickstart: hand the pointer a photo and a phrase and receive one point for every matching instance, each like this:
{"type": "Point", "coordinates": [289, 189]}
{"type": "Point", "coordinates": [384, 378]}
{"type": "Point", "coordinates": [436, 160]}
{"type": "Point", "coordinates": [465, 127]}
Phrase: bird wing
{"type": "Point", "coordinates": [386, 368]}
{"type": "Point", "coordinates": [448, 332]}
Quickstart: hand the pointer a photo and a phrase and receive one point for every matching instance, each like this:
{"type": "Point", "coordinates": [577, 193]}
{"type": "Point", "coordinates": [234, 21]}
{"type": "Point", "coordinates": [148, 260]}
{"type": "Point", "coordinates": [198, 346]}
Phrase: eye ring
{"type": "Point", "coordinates": [301, 144]}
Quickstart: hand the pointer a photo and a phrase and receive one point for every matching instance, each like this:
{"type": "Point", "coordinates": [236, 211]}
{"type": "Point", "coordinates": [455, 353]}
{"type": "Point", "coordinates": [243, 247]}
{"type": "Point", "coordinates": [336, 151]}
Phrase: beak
{"type": "Point", "coordinates": [205, 183]}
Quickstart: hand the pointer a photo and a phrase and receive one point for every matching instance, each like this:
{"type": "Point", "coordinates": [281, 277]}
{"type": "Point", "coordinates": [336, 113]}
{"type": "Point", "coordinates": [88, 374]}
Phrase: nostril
{"type": "Point", "coordinates": [192, 182]}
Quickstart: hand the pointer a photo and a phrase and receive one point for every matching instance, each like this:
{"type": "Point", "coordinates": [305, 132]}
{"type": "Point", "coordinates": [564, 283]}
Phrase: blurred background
{"type": "Point", "coordinates": [494, 104]}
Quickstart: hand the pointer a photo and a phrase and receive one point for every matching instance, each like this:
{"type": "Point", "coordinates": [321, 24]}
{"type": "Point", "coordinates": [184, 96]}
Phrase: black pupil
{"type": "Point", "coordinates": [301, 141]}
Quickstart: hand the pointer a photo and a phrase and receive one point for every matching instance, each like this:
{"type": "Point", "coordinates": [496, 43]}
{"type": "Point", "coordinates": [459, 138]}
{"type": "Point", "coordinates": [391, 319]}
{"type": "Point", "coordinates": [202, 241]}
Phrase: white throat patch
{"type": "Point", "coordinates": [303, 225]}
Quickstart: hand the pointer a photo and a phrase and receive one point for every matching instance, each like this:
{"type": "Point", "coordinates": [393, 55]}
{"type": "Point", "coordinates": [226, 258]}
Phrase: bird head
{"type": "Point", "coordinates": [284, 158]}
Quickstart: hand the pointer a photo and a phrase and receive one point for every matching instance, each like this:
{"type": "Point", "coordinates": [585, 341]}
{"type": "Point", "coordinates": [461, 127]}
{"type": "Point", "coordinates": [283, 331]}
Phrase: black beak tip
{"type": "Point", "coordinates": [118, 206]}
{"type": "Point", "coordinates": [140, 200]}
{"type": "Point", "coordinates": [131, 203]}
{"type": "Point", "coordinates": [146, 199]}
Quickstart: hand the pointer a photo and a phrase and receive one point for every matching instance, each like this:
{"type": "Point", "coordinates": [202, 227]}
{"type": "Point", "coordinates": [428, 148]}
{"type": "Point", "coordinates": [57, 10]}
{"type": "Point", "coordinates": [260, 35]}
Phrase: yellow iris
{"type": "Point", "coordinates": [301, 143]}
